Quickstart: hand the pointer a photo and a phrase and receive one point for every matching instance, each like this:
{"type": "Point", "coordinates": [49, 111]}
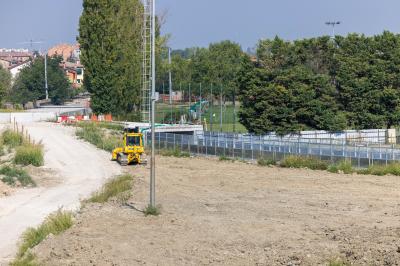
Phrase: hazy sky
{"type": "Point", "coordinates": [199, 22]}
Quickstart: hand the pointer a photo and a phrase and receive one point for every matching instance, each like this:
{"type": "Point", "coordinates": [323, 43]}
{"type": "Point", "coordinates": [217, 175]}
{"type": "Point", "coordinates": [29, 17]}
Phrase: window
{"type": "Point", "coordinates": [132, 141]}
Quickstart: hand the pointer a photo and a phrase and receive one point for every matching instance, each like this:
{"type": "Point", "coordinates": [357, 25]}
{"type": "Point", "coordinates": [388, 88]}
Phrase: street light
{"type": "Point", "coordinates": [333, 25]}
{"type": "Point", "coordinates": [153, 104]}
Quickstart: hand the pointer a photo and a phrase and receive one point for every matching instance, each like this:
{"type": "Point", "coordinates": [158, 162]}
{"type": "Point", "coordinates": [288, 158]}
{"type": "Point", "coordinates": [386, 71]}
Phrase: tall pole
{"type": "Point", "coordinates": [45, 76]}
{"type": "Point", "coordinates": [190, 103]}
{"type": "Point", "coordinates": [170, 76]}
{"type": "Point", "coordinates": [153, 105]}
{"type": "Point", "coordinates": [333, 25]}
{"type": "Point", "coordinates": [220, 115]}
{"type": "Point", "coordinates": [200, 107]}
{"type": "Point", "coordinates": [211, 109]}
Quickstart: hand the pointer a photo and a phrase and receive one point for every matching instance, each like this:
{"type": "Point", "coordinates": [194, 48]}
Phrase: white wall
{"type": "Point", "coordinates": [24, 117]}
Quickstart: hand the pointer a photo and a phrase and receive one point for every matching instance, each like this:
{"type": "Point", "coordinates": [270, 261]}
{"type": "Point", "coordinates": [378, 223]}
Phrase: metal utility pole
{"type": "Point", "coordinates": [170, 76]}
{"type": "Point", "coordinates": [211, 109]}
{"type": "Point", "coordinates": [201, 123]}
{"type": "Point", "coordinates": [333, 25]}
{"type": "Point", "coordinates": [153, 105]}
{"type": "Point", "coordinates": [190, 102]}
{"type": "Point", "coordinates": [220, 116]}
{"type": "Point", "coordinates": [45, 76]}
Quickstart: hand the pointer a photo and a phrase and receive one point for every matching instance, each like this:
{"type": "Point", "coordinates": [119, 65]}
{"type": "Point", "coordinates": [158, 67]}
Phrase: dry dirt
{"type": "Point", "coordinates": [224, 213]}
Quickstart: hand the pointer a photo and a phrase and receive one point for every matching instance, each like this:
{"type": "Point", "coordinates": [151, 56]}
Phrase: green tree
{"type": "Point", "coordinates": [5, 82]}
{"type": "Point", "coordinates": [110, 39]}
{"type": "Point", "coordinates": [30, 83]}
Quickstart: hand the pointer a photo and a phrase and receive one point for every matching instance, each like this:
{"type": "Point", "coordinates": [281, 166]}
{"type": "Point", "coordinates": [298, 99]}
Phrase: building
{"type": "Point", "coordinates": [71, 62]}
{"type": "Point", "coordinates": [14, 70]}
{"type": "Point", "coordinates": [14, 57]}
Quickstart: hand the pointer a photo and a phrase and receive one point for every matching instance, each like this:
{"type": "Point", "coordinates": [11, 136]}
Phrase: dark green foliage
{"type": "Point", "coordinates": [5, 82]}
{"type": "Point", "coordinates": [29, 85]}
{"type": "Point", "coordinates": [318, 83]}
{"type": "Point", "coordinates": [110, 38]}
{"type": "Point", "coordinates": [303, 162]}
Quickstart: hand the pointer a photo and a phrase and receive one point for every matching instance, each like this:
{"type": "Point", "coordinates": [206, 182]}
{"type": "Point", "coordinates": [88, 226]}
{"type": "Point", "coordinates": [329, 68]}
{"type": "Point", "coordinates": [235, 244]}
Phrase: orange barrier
{"type": "Point", "coordinates": [108, 118]}
{"type": "Point", "coordinates": [94, 118]}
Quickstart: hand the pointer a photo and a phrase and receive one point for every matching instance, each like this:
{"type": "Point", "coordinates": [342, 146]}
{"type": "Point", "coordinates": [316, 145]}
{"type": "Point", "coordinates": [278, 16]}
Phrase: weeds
{"type": "Point", "coordinates": [95, 135]}
{"type": "Point", "coordinates": [118, 187]}
{"type": "Point", "coordinates": [29, 154]}
{"type": "Point", "coordinates": [381, 170]}
{"type": "Point", "coordinates": [225, 158]}
{"type": "Point", "coordinates": [152, 210]}
{"type": "Point", "coordinates": [266, 162]}
{"type": "Point", "coordinates": [338, 262]}
{"type": "Point", "coordinates": [54, 224]}
{"type": "Point", "coordinates": [12, 139]}
{"type": "Point", "coordinates": [174, 153]}
{"type": "Point", "coordinates": [341, 167]}
{"type": "Point", "coordinates": [303, 162]}
{"type": "Point", "coordinates": [11, 174]}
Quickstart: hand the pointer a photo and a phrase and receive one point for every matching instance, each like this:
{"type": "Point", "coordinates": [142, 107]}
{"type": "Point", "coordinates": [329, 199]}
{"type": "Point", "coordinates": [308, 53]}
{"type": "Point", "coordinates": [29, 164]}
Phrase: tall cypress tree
{"type": "Point", "coordinates": [110, 39]}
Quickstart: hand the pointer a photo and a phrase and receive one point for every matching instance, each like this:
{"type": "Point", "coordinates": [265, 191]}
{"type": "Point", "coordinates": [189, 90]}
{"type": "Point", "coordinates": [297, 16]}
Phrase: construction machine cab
{"type": "Point", "coordinates": [133, 148]}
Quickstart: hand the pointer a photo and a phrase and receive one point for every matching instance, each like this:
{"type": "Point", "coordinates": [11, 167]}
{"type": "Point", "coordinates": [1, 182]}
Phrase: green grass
{"type": "Point", "coordinates": [225, 158]}
{"type": "Point", "coordinates": [12, 174]}
{"type": "Point", "coordinates": [341, 167]}
{"type": "Point", "coordinates": [96, 135]}
{"type": "Point", "coordinates": [381, 170]}
{"type": "Point", "coordinates": [118, 187]}
{"type": "Point", "coordinates": [174, 153]}
{"type": "Point", "coordinates": [29, 154]}
{"type": "Point", "coordinates": [12, 139]}
{"type": "Point", "coordinates": [54, 224]}
{"type": "Point", "coordinates": [152, 210]}
{"type": "Point", "coordinates": [337, 262]}
{"type": "Point", "coordinates": [303, 162]}
{"type": "Point", "coordinates": [266, 162]}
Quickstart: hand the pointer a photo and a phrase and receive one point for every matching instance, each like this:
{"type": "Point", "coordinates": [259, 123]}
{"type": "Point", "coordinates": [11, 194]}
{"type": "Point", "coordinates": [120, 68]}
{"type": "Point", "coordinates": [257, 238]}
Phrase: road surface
{"type": "Point", "coordinates": [83, 169]}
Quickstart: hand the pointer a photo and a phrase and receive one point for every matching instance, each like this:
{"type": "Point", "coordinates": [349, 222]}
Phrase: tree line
{"type": "Point", "coordinates": [322, 83]}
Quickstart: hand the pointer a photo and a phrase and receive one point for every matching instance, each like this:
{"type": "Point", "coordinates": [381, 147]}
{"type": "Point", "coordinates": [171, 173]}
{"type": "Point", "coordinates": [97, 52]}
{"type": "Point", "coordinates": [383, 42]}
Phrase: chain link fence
{"type": "Point", "coordinates": [361, 151]}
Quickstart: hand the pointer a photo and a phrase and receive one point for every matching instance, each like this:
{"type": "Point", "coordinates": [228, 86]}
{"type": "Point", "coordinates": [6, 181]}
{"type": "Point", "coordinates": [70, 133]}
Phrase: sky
{"type": "Point", "coordinates": [200, 22]}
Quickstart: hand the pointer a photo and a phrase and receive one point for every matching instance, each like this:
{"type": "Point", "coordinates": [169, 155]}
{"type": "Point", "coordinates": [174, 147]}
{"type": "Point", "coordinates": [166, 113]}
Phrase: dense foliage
{"type": "Point", "coordinates": [5, 82]}
{"type": "Point", "coordinates": [110, 38]}
{"type": "Point", "coordinates": [320, 83]}
{"type": "Point", "coordinates": [30, 83]}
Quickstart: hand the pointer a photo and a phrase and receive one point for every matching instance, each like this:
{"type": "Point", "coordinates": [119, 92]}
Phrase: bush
{"type": "Point", "coordinates": [12, 139]}
{"type": "Point", "coordinates": [174, 153]}
{"type": "Point", "coordinates": [54, 224]}
{"type": "Point", "coordinates": [152, 210]}
{"type": "Point", "coordinates": [225, 158]}
{"type": "Point", "coordinates": [29, 154]}
{"type": "Point", "coordinates": [118, 187]}
{"type": "Point", "coordinates": [381, 170]}
{"type": "Point", "coordinates": [95, 135]}
{"type": "Point", "coordinates": [12, 173]}
{"type": "Point", "coordinates": [343, 166]}
{"type": "Point", "coordinates": [303, 162]}
{"type": "Point", "coordinates": [266, 162]}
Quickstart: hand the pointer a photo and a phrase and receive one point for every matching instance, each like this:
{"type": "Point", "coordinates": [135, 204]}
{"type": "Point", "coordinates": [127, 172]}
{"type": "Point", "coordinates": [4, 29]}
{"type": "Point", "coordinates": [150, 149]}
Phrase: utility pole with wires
{"type": "Point", "coordinates": [333, 24]}
{"type": "Point", "coordinates": [153, 105]}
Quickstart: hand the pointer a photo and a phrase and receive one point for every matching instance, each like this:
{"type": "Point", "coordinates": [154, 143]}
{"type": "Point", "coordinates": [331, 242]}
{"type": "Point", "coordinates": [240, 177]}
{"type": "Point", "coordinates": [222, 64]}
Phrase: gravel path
{"type": "Point", "coordinates": [83, 169]}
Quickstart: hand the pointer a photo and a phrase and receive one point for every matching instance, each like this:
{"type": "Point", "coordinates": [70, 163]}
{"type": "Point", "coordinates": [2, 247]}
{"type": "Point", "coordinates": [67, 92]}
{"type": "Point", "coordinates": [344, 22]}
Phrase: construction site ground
{"type": "Point", "coordinates": [232, 213]}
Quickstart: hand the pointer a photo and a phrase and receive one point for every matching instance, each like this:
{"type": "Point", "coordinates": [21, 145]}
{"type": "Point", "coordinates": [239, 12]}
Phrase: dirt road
{"type": "Point", "coordinates": [223, 213]}
{"type": "Point", "coordinates": [82, 169]}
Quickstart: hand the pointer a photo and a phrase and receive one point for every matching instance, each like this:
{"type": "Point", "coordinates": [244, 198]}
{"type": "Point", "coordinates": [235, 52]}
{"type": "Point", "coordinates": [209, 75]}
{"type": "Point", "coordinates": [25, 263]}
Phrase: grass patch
{"type": "Point", "coordinates": [152, 210]}
{"type": "Point", "coordinates": [174, 153]}
{"type": "Point", "coordinates": [11, 174]}
{"type": "Point", "coordinates": [381, 170]}
{"type": "Point", "coordinates": [95, 135]}
{"type": "Point", "coordinates": [225, 158]}
{"type": "Point", "coordinates": [303, 162]}
{"type": "Point", "coordinates": [337, 262]}
{"type": "Point", "coordinates": [29, 154]}
{"type": "Point", "coordinates": [341, 167]}
{"type": "Point", "coordinates": [119, 187]}
{"type": "Point", "coordinates": [12, 139]}
{"type": "Point", "coordinates": [54, 224]}
{"type": "Point", "coordinates": [266, 162]}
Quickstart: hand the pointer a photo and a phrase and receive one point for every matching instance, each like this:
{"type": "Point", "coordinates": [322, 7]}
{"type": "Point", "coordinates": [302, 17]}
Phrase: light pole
{"type": "Point", "coordinates": [170, 76]}
{"type": "Point", "coordinates": [153, 104]}
{"type": "Point", "coordinates": [333, 25]}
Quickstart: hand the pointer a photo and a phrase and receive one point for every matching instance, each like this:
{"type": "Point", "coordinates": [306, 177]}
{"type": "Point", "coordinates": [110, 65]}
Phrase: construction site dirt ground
{"type": "Point", "coordinates": [232, 213]}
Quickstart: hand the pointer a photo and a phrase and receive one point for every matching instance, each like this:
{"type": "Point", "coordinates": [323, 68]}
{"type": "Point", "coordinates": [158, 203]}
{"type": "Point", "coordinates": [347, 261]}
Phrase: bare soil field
{"type": "Point", "coordinates": [224, 213]}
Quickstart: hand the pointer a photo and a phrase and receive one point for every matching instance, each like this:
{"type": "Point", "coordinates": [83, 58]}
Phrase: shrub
{"type": "Point", "coordinates": [303, 162]}
{"type": "Point", "coordinates": [29, 154]}
{"type": "Point", "coordinates": [54, 224]}
{"type": "Point", "coordinates": [266, 162]}
{"type": "Point", "coordinates": [225, 158]}
{"type": "Point", "coordinates": [95, 135]}
{"type": "Point", "coordinates": [343, 166]}
{"type": "Point", "coordinates": [152, 210]}
{"type": "Point", "coordinates": [12, 173]}
{"type": "Point", "coordinates": [381, 170]}
{"type": "Point", "coordinates": [118, 187]}
{"type": "Point", "coordinates": [174, 153]}
{"type": "Point", "coordinates": [12, 139]}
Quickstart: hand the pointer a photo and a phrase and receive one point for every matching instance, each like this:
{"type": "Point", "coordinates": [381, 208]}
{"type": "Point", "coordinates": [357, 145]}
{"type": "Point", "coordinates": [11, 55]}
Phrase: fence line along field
{"type": "Point", "coordinates": [232, 213]}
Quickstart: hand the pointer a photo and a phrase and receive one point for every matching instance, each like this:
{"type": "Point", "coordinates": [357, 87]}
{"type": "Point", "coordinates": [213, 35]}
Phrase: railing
{"type": "Point", "coordinates": [251, 147]}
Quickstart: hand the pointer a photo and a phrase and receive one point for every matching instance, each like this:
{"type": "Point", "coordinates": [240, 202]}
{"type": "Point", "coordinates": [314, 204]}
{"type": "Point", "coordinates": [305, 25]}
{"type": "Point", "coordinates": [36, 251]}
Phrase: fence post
{"type": "Point", "coordinates": [331, 147]}
{"type": "Point", "coordinates": [190, 138]}
{"type": "Point", "coordinates": [393, 153]}
{"type": "Point", "coordinates": [262, 146]}
{"type": "Point", "coordinates": [251, 146]}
